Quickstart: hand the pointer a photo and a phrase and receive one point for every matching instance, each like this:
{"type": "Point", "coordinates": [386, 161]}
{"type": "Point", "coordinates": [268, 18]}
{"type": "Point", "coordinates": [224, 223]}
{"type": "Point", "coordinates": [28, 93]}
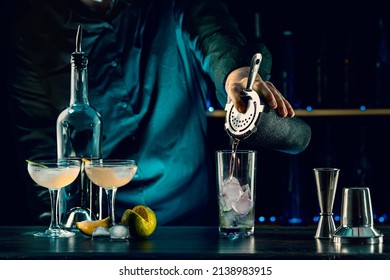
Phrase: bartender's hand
{"type": "Point", "coordinates": [236, 82]}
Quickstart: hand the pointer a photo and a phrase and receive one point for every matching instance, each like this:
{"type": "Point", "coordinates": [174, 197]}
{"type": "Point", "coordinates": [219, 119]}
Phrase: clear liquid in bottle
{"type": "Point", "coordinates": [79, 135]}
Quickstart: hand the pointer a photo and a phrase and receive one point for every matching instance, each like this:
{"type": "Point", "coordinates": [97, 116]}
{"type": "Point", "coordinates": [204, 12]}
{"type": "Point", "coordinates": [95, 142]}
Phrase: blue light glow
{"type": "Point", "coordinates": [309, 108]}
{"type": "Point", "coordinates": [272, 219]}
{"type": "Point", "coordinates": [363, 108]}
{"type": "Point", "coordinates": [261, 219]}
{"type": "Point", "coordinates": [211, 109]}
{"type": "Point", "coordinates": [295, 220]}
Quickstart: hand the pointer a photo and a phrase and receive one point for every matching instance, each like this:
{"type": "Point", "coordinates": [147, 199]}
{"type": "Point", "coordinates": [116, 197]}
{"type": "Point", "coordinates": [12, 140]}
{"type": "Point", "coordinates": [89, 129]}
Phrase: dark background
{"type": "Point", "coordinates": [333, 31]}
{"type": "Point", "coordinates": [326, 34]}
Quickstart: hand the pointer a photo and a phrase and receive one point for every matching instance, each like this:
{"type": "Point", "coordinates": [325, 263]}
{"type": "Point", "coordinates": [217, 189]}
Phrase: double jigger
{"type": "Point", "coordinates": [357, 224]}
{"type": "Point", "coordinates": [326, 182]}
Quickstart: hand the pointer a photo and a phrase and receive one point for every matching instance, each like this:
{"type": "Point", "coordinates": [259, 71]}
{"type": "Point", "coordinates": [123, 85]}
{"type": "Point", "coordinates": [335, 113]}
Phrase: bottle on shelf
{"type": "Point", "coordinates": [351, 97]}
{"type": "Point", "coordinates": [322, 77]}
{"type": "Point", "coordinates": [257, 27]}
{"type": "Point", "coordinates": [79, 135]}
{"type": "Point", "coordinates": [382, 69]}
{"type": "Point", "coordinates": [288, 69]}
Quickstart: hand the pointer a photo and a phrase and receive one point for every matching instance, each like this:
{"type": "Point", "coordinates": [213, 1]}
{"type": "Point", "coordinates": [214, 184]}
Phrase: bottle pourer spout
{"type": "Point", "coordinates": [78, 58]}
{"type": "Point", "coordinates": [79, 39]}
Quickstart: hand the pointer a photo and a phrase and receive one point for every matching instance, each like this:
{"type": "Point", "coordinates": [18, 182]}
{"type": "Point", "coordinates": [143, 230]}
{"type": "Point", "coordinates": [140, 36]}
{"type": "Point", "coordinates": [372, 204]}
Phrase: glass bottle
{"type": "Point", "coordinates": [382, 69]}
{"type": "Point", "coordinates": [79, 135]}
{"type": "Point", "coordinates": [349, 63]}
{"type": "Point", "coordinates": [322, 76]}
{"type": "Point", "coordinates": [288, 69]}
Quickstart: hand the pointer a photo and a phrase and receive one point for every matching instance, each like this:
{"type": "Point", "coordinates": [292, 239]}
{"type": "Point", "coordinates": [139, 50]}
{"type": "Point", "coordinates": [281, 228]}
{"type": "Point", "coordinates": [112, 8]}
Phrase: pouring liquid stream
{"type": "Point", "coordinates": [232, 164]}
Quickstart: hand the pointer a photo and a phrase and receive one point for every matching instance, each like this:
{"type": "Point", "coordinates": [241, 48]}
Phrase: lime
{"type": "Point", "coordinates": [41, 165]}
{"type": "Point", "coordinates": [88, 226]}
{"type": "Point", "coordinates": [141, 221]}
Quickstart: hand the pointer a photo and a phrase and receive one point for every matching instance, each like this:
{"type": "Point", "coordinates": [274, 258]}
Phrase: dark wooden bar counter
{"type": "Point", "coordinates": [269, 242]}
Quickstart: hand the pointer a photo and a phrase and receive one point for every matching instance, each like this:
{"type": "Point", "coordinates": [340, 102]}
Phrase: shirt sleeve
{"type": "Point", "coordinates": [214, 36]}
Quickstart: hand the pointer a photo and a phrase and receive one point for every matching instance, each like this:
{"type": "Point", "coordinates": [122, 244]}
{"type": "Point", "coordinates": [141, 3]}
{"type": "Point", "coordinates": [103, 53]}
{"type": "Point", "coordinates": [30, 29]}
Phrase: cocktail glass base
{"type": "Point", "coordinates": [55, 233]}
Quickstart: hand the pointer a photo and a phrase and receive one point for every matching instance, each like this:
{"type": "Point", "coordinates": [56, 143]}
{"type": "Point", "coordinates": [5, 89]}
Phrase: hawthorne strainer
{"type": "Point", "coordinates": [242, 125]}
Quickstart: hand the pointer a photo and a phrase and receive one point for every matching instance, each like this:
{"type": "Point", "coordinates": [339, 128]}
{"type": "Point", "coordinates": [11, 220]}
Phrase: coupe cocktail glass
{"type": "Point", "coordinates": [54, 175]}
{"type": "Point", "coordinates": [110, 174]}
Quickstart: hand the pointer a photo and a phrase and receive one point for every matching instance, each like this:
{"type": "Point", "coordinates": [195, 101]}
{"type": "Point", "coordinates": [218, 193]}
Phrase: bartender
{"type": "Point", "coordinates": [151, 66]}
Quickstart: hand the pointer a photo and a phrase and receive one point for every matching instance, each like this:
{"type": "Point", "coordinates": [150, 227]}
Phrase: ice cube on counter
{"type": "Point", "coordinates": [101, 232]}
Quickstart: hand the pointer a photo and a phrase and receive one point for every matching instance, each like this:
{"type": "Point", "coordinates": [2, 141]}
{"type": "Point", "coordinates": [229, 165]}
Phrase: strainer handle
{"type": "Point", "coordinates": [254, 68]}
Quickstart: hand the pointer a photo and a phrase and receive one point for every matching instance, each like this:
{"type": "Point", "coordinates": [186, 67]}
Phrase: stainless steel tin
{"type": "Point", "coordinates": [357, 225]}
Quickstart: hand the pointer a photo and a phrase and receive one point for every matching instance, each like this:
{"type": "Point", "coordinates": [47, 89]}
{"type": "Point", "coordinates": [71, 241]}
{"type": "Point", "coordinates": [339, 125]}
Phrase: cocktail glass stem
{"type": "Point", "coordinates": [54, 225]}
{"type": "Point", "coordinates": [111, 194]}
{"type": "Point", "coordinates": [54, 229]}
